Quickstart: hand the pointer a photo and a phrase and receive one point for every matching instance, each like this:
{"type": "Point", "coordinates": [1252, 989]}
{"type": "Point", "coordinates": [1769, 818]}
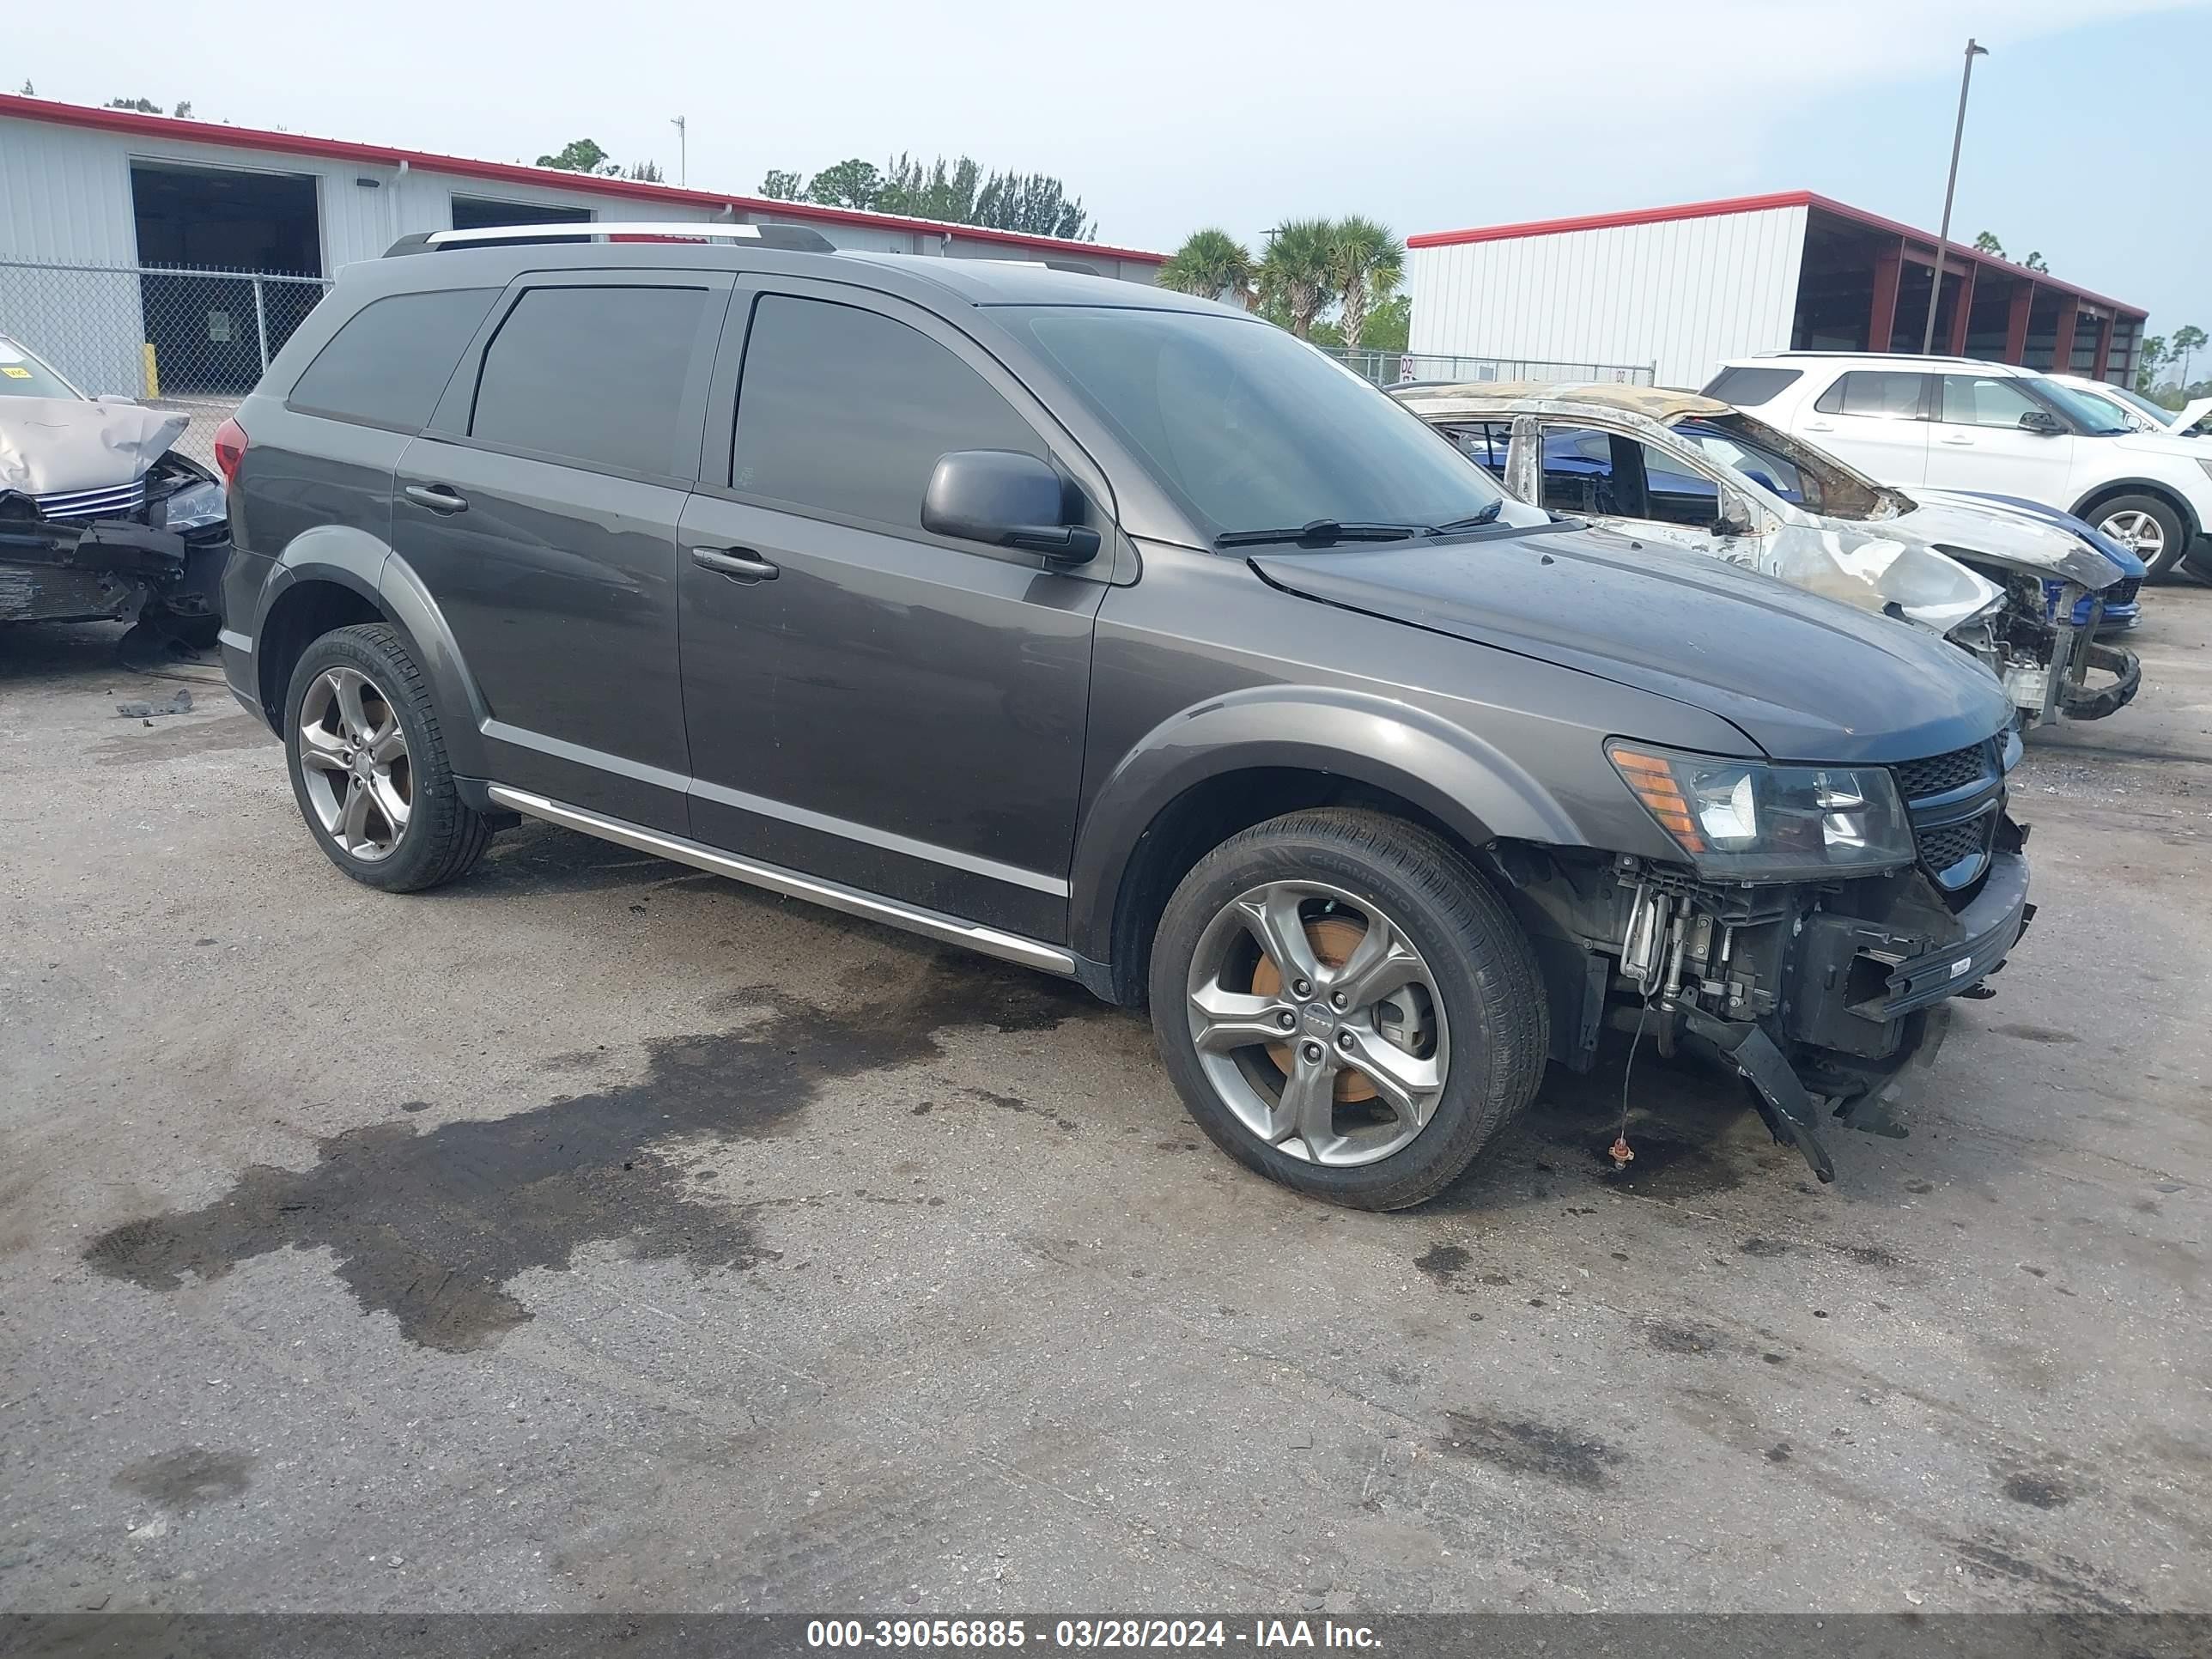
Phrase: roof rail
{"type": "Point", "coordinates": [796, 239]}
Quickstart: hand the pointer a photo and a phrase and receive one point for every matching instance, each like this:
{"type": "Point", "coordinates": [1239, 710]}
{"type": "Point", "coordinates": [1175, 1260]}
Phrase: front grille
{"type": "Point", "coordinates": [2123, 592]}
{"type": "Point", "coordinates": [1956, 803]}
{"type": "Point", "coordinates": [1946, 845]}
{"type": "Point", "coordinates": [117, 500]}
{"type": "Point", "coordinates": [1940, 773]}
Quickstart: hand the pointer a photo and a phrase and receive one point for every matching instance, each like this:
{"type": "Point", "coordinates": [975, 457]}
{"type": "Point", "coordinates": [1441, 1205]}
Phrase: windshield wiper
{"type": "Point", "coordinates": [1321, 533]}
{"type": "Point", "coordinates": [1474, 521]}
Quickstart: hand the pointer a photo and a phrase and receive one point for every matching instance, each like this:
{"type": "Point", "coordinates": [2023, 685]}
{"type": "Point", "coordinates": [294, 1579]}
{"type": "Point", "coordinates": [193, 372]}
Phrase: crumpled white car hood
{"type": "Point", "coordinates": [49, 444]}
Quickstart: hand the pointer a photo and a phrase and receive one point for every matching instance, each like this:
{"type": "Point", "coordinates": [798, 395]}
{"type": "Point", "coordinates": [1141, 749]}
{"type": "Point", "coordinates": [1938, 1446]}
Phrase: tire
{"type": "Point", "coordinates": [440, 837]}
{"type": "Point", "coordinates": [2131, 519]}
{"type": "Point", "coordinates": [1475, 1005]}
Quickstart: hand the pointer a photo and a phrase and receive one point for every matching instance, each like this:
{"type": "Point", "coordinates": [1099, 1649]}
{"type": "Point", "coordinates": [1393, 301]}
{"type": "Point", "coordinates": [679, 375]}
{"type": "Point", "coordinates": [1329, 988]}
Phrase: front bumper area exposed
{"type": "Point", "coordinates": [109, 569]}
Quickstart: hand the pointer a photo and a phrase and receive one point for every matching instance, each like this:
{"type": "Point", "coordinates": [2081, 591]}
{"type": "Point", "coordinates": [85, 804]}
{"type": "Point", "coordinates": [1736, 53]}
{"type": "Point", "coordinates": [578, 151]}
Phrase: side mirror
{"type": "Point", "coordinates": [1006, 499]}
{"type": "Point", "coordinates": [2043, 422]}
{"type": "Point", "coordinates": [1735, 516]}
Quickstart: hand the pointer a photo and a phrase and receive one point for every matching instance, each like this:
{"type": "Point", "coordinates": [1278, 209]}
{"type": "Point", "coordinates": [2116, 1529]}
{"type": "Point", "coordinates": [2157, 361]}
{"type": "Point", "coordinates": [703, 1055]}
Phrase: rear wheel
{"type": "Point", "coordinates": [1346, 1008]}
{"type": "Point", "coordinates": [2148, 528]}
{"type": "Point", "coordinates": [368, 765]}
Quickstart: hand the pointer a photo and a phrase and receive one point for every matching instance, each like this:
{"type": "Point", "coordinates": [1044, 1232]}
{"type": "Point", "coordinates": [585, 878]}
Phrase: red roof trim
{"type": "Point", "coordinates": [1954, 254]}
{"type": "Point", "coordinates": [139, 125]}
{"type": "Point", "coordinates": [1608, 220]}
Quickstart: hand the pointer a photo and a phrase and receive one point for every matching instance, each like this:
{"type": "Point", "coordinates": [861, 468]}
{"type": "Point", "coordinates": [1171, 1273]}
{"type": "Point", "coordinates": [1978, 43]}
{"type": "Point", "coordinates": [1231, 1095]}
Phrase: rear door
{"type": "Point", "coordinates": [540, 510]}
{"type": "Point", "coordinates": [893, 709]}
{"type": "Point", "coordinates": [1875, 418]}
{"type": "Point", "coordinates": [1978, 443]}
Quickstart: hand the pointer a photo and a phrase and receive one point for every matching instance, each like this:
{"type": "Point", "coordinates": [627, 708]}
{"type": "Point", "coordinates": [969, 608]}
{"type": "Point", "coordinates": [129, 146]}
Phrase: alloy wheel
{"type": "Point", "coordinates": [2139, 533]}
{"type": "Point", "coordinates": [353, 760]}
{"type": "Point", "coordinates": [1318, 1023]}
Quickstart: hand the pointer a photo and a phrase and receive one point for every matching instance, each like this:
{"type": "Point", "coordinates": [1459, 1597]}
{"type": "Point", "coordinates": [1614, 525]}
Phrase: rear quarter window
{"type": "Point", "coordinates": [1748, 388]}
{"type": "Point", "coordinates": [387, 364]}
{"type": "Point", "coordinates": [1884, 393]}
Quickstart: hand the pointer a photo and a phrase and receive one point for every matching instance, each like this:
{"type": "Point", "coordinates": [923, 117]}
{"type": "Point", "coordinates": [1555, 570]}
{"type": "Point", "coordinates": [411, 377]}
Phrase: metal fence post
{"type": "Point", "coordinates": [261, 325]}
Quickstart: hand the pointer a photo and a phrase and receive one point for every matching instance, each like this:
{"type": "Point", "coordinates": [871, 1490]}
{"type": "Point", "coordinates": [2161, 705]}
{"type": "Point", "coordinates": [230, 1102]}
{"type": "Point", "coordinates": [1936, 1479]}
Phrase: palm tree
{"type": "Point", "coordinates": [1298, 273]}
{"type": "Point", "coordinates": [1366, 263]}
{"type": "Point", "coordinates": [2187, 342]}
{"type": "Point", "coordinates": [1210, 263]}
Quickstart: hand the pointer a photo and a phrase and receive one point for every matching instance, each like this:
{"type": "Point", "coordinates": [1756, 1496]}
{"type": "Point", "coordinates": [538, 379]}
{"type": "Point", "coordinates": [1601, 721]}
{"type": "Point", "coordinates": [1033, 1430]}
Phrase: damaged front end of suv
{"type": "Point", "coordinates": [1825, 917]}
{"type": "Point", "coordinates": [100, 520]}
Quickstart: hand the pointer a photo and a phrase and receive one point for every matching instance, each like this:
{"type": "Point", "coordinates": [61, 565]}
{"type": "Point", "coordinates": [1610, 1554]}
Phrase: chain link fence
{"type": "Point", "coordinates": [1394, 368]}
{"type": "Point", "coordinates": [193, 341]}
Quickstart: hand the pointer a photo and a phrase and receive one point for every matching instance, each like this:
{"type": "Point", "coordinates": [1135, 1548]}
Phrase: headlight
{"type": "Point", "coordinates": [194, 506]}
{"type": "Point", "coordinates": [1748, 821]}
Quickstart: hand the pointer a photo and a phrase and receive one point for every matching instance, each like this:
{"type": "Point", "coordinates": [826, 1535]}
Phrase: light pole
{"type": "Point", "coordinates": [683, 151]}
{"type": "Point", "coordinates": [1943, 236]}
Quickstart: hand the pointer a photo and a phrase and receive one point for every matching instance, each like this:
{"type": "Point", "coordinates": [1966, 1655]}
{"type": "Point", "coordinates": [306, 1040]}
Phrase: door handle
{"type": "Point", "coordinates": [1818, 426]}
{"type": "Point", "coordinates": [438, 498]}
{"type": "Point", "coordinates": [1958, 443]}
{"type": "Point", "coordinates": [740, 564]}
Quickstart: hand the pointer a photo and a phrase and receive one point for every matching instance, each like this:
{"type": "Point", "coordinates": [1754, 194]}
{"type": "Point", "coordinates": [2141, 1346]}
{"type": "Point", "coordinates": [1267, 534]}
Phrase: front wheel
{"type": "Point", "coordinates": [368, 765]}
{"type": "Point", "coordinates": [2147, 528]}
{"type": "Point", "coordinates": [1346, 1007]}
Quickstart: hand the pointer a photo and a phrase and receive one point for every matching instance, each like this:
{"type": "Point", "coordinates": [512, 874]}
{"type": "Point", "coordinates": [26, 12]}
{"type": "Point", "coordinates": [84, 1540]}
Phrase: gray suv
{"type": "Point", "coordinates": [1117, 634]}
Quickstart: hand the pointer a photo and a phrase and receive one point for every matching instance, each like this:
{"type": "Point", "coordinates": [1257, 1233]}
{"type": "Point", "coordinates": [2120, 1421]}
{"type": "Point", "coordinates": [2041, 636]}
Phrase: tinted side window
{"type": "Point", "coordinates": [1987, 400]}
{"type": "Point", "coordinates": [1748, 388]}
{"type": "Point", "coordinates": [388, 363]}
{"type": "Point", "coordinates": [595, 375]}
{"type": "Point", "coordinates": [1885, 393]}
{"type": "Point", "coordinates": [845, 412]}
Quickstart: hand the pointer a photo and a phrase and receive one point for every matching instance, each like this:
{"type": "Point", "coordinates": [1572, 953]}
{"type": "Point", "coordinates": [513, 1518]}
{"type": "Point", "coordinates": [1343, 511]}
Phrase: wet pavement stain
{"type": "Point", "coordinates": [2042, 1491]}
{"type": "Point", "coordinates": [1444, 1263]}
{"type": "Point", "coordinates": [187, 1478]}
{"type": "Point", "coordinates": [1669, 1337]}
{"type": "Point", "coordinates": [1664, 1168]}
{"type": "Point", "coordinates": [2035, 1033]}
{"type": "Point", "coordinates": [1520, 1445]}
{"type": "Point", "coordinates": [431, 1227]}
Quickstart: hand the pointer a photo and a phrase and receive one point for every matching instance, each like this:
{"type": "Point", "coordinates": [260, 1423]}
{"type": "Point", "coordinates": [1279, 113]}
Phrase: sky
{"type": "Point", "coordinates": [2085, 139]}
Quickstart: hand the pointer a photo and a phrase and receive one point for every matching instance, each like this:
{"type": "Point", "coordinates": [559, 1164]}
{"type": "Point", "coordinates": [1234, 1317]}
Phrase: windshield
{"type": "Point", "coordinates": [2085, 409]}
{"type": "Point", "coordinates": [22, 375]}
{"type": "Point", "coordinates": [1251, 429]}
{"type": "Point", "coordinates": [2161, 418]}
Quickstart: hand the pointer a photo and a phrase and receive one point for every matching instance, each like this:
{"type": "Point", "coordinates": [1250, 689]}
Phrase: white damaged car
{"type": "Point", "coordinates": [2022, 588]}
{"type": "Point", "coordinates": [101, 519]}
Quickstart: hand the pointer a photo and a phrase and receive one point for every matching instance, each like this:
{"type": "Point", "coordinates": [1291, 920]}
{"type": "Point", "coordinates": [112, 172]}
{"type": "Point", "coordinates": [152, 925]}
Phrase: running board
{"type": "Point", "coordinates": [931, 924]}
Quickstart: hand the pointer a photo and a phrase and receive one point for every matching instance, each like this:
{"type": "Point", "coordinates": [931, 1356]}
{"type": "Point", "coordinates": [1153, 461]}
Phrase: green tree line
{"type": "Point", "coordinates": [956, 192]}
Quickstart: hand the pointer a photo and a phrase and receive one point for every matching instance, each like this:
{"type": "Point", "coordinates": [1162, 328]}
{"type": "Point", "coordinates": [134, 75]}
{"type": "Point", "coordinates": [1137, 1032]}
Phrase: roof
{"type": "Point", "coordinates": [137, 123]}
{"type": "Point", "coordinates": [1955, 254]}
{"type": "Point", "coordinates": [1497, 397]}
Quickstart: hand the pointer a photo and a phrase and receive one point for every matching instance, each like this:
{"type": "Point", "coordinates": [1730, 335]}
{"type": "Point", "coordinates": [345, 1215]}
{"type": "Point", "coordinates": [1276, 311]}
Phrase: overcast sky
{"type": "Point", "coordinates": [2087, 140]}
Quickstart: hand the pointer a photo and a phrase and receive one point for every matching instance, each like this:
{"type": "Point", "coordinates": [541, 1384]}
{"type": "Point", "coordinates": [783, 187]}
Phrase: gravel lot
{"type": "Point", "coordinates": [596, 1235]}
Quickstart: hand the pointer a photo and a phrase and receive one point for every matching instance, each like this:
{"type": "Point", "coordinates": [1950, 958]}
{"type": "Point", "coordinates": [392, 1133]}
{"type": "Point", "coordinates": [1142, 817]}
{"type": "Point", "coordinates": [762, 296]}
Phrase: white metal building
{"type": "Point", "coordinates": [1682, 288]}
{"type": "Point", "coordinates": [114, 199]}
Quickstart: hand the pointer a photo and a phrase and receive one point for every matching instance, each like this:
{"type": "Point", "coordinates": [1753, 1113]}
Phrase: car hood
{"type": "Point", "coordinates": [50, 444]}
{"type": "Point", "coordinates": [1803, 677]}
{"type": "Point", "coordinates": [2192, 412]}
{"type": "Point", "coordinates": [1984, 527]}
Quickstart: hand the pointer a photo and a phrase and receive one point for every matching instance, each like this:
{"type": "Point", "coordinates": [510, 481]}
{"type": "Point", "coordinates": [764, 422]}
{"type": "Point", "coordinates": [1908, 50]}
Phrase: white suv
{"type": "Point", "coordinates": [1955, 424]}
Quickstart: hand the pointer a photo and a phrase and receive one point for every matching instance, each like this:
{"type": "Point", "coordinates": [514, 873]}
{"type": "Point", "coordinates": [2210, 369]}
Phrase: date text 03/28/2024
{"type": "Point", "coordinates": [984, 1634]}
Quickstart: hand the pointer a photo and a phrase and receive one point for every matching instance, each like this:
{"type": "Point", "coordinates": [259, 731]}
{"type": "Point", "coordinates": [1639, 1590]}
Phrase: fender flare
{"type": "Point", "coordinates": [1467, 784]}
{"type": "Point", "coordinates": [359, 562]}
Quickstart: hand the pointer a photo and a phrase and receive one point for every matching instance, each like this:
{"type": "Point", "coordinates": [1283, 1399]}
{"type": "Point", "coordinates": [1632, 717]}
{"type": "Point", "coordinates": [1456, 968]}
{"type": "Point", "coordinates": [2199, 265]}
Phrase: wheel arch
{"type": "Point", "coordinates": [2191, 527]}
{"type": "Point", "coordinates": [335, 576]}
{"type": "Point", "coordinates": [1211, 771]}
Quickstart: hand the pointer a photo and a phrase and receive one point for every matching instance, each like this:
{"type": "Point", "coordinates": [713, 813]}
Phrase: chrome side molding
{"type": "Point", "coordinates": [834, 896]}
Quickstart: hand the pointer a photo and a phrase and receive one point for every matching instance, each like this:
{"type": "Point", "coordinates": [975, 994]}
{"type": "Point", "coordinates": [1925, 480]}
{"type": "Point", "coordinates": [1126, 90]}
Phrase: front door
{"type": "Point", "coordinates": [866, 701]}
{"type": "Point", "coordinates": [1978, 442]}
{"type": "Point", "coordinates": [540, 510]}
{"type": "Point", "coordinates": [1876, 419]}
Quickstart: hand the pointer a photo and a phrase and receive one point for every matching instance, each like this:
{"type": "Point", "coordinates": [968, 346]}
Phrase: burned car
{"type": "Point", "coordinates": [2024, 592]}
{"type": "Point", "coordinates": [100, 520]}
